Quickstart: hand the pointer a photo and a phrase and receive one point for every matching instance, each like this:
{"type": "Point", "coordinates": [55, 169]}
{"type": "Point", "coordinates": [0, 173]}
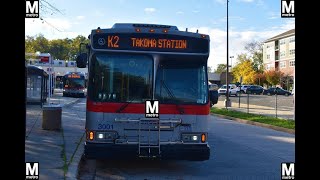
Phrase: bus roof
{"type": "Point", "coordinates": [130, 25]}
{"type": "Point", "coordinates": [145, 28]}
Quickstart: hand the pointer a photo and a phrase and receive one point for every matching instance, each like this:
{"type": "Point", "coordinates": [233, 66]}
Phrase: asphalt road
{"type": "Point", "coordinates": [238, 151]}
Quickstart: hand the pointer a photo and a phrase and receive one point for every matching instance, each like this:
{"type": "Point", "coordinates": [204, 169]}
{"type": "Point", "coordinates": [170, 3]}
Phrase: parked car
{"type": "Point", "coordinates": [254, 89]}
{"type": "Point", "coordinates": [244, 87]}
{"type": "Point", "coordinates": [276, 90]}
{"type": "Point", "coordinates": [233, 90]}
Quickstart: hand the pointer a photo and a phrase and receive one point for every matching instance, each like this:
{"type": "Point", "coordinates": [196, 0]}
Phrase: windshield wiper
{"type": "Point", "coordinates": [180, 109]}
{"type": "Point", "coordinates": [124, 105]}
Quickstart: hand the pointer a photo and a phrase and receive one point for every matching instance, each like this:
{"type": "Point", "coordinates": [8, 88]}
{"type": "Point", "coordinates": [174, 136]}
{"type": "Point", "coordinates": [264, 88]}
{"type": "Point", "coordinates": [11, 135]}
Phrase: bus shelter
{"type": "Point", "coordinates": [36, 85]}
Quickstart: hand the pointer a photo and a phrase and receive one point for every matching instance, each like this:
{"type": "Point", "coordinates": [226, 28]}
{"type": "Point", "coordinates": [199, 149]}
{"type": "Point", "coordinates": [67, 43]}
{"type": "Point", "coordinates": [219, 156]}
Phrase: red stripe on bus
{"type": "Point", "coordinates": [135, 108]}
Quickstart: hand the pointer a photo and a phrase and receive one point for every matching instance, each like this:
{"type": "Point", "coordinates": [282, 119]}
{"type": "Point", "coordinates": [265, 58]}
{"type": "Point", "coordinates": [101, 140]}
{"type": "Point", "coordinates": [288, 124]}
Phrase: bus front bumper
{"type": "Point", "coordinates": [193, 152]}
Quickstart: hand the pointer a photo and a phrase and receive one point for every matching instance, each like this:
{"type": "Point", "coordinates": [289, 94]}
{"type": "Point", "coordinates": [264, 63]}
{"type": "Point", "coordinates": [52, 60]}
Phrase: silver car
{"type": "Point", "coordinates": [233, 90]}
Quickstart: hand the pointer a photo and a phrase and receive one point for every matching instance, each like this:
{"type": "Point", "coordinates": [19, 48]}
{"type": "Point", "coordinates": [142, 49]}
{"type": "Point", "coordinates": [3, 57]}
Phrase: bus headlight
{"type": "Point", "coordinates": [105, 136]}
{"type": "Point", "coordinates": [194, 137]}
{"type": "Point", "coordinates": [100, 135]}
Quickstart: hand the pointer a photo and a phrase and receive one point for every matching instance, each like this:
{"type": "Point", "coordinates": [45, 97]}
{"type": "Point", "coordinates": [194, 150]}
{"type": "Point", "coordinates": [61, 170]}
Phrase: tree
{"type": "Point", "coordinates": [255, 50]}
{"type": "Point", "coordinates": [75, 45]}
{"type": "Point", "coordinates": [286, 81]}
{"type": "Point", "coordinates": [64, 49]}
{"type": "Point", "coordinates": [209, 69]}
{"type": "Point", "coordinates": [260, 79]}
{"type": "Point", "coordinates": [244, 69]}
{"type": "Point", "coordinates": [40, 44]}
{"type": "Point", "coordinates": [253, 47]}
{"type": "Point", "coordinates": [59, 48]}
{"type": "Point", "coordinates": [273, 77]}
{"type": "Point", "coordinates": [29, 44]}
{"type": "Point", "coordinates": [258, 65]}
{"type": "Point", "coordinates": [29, 48]}
{"type": "Point", "coordinates": [221, 68]}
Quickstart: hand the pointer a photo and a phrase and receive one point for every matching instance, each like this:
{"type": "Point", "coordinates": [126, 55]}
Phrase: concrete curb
{"type": "Point", "coordinates": [73, 169]}
{"type": "Point", "coordinates": [291, 131]}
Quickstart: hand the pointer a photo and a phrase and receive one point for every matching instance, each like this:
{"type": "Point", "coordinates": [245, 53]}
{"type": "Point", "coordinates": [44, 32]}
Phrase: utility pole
{"type": "Point", "coordinates": [227, 101]}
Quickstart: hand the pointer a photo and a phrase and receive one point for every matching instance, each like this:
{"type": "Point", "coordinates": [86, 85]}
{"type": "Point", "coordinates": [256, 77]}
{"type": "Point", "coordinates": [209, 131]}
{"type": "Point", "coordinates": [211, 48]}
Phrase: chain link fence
{"type": "Point", "coordinates": [268, 104]}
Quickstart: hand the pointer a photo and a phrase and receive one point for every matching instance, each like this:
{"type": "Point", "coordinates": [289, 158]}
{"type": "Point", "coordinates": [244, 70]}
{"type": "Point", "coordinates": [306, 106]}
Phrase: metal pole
{"type": "Point", "coordinates": [239, 96]}
{"type": "Point", "coordinates": [248, 103]}
{"type": "Point", "coordinates": [294, 95]}
{"type": "Point", "coordinates": [276, 105]}
{"type": "Point", "coordinates": [227, 102]}
{"type": "Point", "coordinates": [50, 77]}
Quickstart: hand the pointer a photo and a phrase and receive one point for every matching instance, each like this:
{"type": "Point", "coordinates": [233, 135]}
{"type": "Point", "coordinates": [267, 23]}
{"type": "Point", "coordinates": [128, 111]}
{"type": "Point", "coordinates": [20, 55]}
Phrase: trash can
{"type": "Point", "coordinates": [51, 117]}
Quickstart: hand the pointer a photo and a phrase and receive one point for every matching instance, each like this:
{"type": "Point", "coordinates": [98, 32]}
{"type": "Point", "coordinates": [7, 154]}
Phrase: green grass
{"type": "Point", "coordinates": [290, 124]}
{"type": "Point", "coordinates": [64, 156]}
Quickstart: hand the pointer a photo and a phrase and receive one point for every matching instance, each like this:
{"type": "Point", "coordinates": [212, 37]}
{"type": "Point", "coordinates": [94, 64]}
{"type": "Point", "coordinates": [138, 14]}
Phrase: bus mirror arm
{"type": "Point", "coordinates": [82, 60]}
{"type": "Point", "coordinates": [82, 57]}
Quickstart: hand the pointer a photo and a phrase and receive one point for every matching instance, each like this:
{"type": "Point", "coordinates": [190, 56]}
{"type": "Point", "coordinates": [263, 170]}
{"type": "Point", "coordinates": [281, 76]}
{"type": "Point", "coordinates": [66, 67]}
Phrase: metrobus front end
{"type": "Point", "coordinates": [132, 136]}
{"type": "Point", "coordinates": [130, 64]}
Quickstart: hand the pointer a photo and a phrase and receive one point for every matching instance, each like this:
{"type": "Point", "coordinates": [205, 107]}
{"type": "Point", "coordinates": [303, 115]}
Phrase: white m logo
{"type": "Point", "coordinates": [287, 9]}
{"type": "Point", "coordinates": [153, 109]}
{"type": "Point", "coordinates": [287, 171]}
{"type": "Point", "coordinates": [33, 171]}
{"type": "Point", "coordinates": [32, 9]}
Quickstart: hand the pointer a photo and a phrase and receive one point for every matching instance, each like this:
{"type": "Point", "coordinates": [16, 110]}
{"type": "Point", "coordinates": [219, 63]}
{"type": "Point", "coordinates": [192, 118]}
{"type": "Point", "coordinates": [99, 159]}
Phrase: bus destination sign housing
{"type": "Point", "coordinates": [150, 42]}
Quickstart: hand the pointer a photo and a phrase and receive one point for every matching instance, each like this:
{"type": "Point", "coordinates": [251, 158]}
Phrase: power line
{"type": "Point", "coordinates": [50, 24]}
{"type": "Point", "coordinates": [51, 7]}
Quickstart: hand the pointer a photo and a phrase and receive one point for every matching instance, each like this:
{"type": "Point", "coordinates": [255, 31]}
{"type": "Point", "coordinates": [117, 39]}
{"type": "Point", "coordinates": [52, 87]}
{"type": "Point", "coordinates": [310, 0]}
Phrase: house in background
{"type": "Point", "coordinates": [214, 78]}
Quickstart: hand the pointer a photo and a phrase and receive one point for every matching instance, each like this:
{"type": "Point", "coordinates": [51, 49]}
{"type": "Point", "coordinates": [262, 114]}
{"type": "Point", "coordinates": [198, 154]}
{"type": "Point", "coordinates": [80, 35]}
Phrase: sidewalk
{"type": "Point", "coordinates": [57, 151]}
{"type": "Point", "coordinates": [261, 110]}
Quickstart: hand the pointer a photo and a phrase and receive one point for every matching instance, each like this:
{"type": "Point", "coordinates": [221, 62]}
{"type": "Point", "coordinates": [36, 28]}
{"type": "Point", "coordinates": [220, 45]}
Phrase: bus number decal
{"type": "Point", "coordinates": [186, 128]}
{"type": "Point", "coordinates": [105, 126]}
{"type": "Point", "coordinates": [113, 41]}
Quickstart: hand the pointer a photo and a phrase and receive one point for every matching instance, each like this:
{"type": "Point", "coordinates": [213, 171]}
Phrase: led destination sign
{"type": "Point", "coordinates": [73, 76]}
{"type": "Point", "coordinates": [151, 42]}
{"type": "Point", "coordinates": [158, 43]}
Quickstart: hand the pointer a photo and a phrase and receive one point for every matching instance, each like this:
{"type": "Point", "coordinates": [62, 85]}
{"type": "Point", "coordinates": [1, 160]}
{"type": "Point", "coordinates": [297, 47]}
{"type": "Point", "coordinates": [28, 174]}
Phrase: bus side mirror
{"type": "Point", "coordinates": [82, 60]}
{"type": "Point", "coordinates": [211, 96]}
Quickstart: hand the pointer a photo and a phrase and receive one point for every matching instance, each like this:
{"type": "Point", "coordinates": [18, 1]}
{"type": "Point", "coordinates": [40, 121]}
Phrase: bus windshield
{"type": "Point", "coordinates": [182, 83]}
{"type": "Point", "coordinates": [120, 78]}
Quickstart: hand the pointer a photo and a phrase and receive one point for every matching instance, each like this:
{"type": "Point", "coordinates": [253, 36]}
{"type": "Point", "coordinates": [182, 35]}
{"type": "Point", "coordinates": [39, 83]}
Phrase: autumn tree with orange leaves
{"type": "Point", "coordinates": [273, 77]}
